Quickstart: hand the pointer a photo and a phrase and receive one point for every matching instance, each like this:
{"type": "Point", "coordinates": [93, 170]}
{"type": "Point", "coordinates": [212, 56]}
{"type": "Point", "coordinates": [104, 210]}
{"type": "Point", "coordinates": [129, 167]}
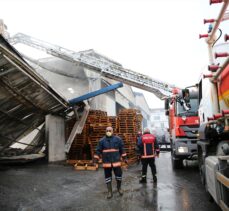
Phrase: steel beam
{"type": "Point", "coordinates": [95, 93]}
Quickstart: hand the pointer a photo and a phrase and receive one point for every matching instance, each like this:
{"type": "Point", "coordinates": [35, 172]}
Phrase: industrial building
{"type": "Point", "coordinates": [142, 105]}
{"type": "Point", "coordinates": [158, 118]}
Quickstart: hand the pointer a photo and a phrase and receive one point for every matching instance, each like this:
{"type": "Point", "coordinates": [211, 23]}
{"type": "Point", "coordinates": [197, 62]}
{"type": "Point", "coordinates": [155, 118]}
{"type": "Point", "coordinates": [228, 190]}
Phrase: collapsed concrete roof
{"type": "Point", "coordinates": [25, 98]}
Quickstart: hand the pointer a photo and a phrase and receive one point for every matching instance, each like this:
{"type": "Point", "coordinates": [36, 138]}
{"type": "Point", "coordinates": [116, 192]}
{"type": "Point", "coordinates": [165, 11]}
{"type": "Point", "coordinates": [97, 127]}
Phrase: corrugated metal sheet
{"type": "Point", "coordinates": [25, 98]}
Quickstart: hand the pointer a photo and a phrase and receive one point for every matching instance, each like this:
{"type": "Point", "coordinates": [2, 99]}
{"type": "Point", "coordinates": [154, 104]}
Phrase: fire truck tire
{"type": "Point", "coordinates": [202, 174]}
{"type": "Point", "coordinates": [176, 163]}
{"type": "Point", "coordinates": [201, 166]}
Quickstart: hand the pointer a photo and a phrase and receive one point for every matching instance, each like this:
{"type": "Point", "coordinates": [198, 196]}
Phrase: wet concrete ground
{"type": "Point", "coordinates": [58, 187]}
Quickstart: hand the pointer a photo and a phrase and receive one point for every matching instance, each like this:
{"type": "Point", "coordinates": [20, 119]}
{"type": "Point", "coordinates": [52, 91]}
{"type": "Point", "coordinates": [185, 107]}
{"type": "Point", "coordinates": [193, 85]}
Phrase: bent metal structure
{"type": "Point", "coordinates": [25, 100]}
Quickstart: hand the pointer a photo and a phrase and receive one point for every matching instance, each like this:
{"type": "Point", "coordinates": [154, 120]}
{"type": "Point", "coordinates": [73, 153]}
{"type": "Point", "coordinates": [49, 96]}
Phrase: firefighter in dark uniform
{"type": "Point", "coordinates": [110, 148]}
{"type": "Point", "coordinates": [149, 149]}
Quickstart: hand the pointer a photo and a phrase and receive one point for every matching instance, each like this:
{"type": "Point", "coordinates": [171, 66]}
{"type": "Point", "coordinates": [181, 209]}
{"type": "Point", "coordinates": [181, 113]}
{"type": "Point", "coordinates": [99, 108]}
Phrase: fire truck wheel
{"type": "Point", "coordinates": [176, 163]}
{"type": "Point", "coordinates": [201, 166]}
{"type": "Point", "coordinates": [202, 174]}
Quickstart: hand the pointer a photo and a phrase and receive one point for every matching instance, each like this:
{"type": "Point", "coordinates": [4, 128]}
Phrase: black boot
{"type": "Point", "coordinates": [119, 183]}
{"type": "Point", "coordinates": [109, 188]}
{"type": "Point", "coordinates": [154, 178]}
{"type": "Point", "coordinates": [143, 179]}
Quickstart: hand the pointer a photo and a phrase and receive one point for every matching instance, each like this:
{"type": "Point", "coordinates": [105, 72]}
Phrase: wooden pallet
{"type": "Point", "coordinates": [86, 165]}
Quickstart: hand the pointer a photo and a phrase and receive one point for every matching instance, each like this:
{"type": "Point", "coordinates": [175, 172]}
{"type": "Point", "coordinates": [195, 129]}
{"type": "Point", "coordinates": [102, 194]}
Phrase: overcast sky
{"type": "Point", "coordinates": [158, 38]}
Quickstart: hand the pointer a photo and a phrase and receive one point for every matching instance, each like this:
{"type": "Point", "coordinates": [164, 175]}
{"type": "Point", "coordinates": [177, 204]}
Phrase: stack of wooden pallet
{"type": "Point", "coordinates": [114, 123]}
{"type": "Point", "coordinates": [129, 124]}
{"type": "Point", "coordinates": [80, 145]}
{"type": "Point", "coordinates": [125, 125]}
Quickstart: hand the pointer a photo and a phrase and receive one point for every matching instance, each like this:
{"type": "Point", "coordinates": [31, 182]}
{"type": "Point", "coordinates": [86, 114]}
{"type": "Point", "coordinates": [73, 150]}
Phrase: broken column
{"type": "Point", "coordinates": [55, 138]}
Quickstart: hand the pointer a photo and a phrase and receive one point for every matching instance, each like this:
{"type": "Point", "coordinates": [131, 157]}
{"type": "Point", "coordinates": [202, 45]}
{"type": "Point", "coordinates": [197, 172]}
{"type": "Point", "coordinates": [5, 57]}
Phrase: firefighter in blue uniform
{"type": "Point", "coordinates": [110, 148]}
{"type": "Point", "coordinates": [149, 149]}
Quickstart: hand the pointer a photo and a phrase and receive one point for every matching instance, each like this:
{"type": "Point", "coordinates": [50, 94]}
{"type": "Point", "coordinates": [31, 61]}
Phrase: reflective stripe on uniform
{"type": "Point", "coordinates": [148, 156]}
{"type": "Point", "coordinates": [96, 156]}
{"type": "Point", "coordinates": [116, 164]}
{"type": "Point", "coordinates": [145, 153]}
{"type": "Point", "coordinates": [124, 154]}
{"type": "Point", "coordinates": [106, 165]}
{"type": "Point", "coordinates": [110, 150]}
{"type": "Point", "coordinates": [144, 149]}
{"type": "Point", "coordinates": [109, 165]}
{"type": "Point", "coordinates": [108, 180]}
{"type": "Point", "coordinates": [118, 178]}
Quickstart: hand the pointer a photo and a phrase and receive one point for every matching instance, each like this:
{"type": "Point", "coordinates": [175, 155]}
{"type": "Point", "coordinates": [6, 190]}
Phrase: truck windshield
{"type": "Point", "coordinates": [193, 110]}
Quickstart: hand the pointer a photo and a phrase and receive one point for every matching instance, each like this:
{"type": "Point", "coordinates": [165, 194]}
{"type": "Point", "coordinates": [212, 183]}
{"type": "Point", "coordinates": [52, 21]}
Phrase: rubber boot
{"type": "Point", "coordinates": [154, 178]}
{"type": "Point", "coordinates": [143, 179]}
{"type": "Point", "coordinates": [119, 183]}
{"type": "Point", "coordinates": [109, 188]}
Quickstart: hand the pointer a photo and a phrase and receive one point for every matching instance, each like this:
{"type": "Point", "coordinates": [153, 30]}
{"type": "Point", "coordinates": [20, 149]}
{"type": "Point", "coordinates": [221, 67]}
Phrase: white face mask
{"type": "Point", "coordinates": [108, 134]}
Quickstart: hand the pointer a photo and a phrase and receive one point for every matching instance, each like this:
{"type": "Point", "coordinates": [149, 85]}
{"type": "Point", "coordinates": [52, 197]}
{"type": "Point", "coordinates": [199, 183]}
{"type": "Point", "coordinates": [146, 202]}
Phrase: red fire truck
{"type": "Point", "coordinates": [182, 111]}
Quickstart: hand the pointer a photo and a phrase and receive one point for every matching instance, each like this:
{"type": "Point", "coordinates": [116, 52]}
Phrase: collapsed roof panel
{"type": "Point", "coordinates": [25, 98]}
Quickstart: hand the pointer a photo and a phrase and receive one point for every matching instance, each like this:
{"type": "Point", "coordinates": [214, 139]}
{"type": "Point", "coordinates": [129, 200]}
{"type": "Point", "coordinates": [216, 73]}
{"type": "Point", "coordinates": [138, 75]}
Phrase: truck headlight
{"type": "Point", "coordinates": [183, 149]}
{"type": "Point", "coordinates": [184, 118]}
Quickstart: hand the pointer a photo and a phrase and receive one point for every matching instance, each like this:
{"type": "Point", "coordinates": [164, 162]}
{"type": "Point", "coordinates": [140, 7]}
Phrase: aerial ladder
{"type": "Point", "coordinates": [105, 67]}
{"type": "Point", "coordinates": [96, 62]}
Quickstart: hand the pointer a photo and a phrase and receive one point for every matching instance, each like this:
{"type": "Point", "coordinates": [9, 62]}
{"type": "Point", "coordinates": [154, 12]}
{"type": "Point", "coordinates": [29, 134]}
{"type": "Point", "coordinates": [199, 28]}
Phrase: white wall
{"type": "Point", "coordinates": [158, 119]}
{"type": "Point", "coordinates": [125, 95]}
{"type": "Point", "coordinates": [144, 108]}
{"type": "Point", "coordinates": [121, 100]}
{"type": "Point", "coordinates": [141, 102]}
{"type": "Point", "coordinates": [110, 106]}
{"type": "Point", "coordinates": [67, 86]}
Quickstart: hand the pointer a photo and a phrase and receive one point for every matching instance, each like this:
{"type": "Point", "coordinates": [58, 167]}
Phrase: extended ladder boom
{"type": "Point", "coordinates": [106, 67]}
